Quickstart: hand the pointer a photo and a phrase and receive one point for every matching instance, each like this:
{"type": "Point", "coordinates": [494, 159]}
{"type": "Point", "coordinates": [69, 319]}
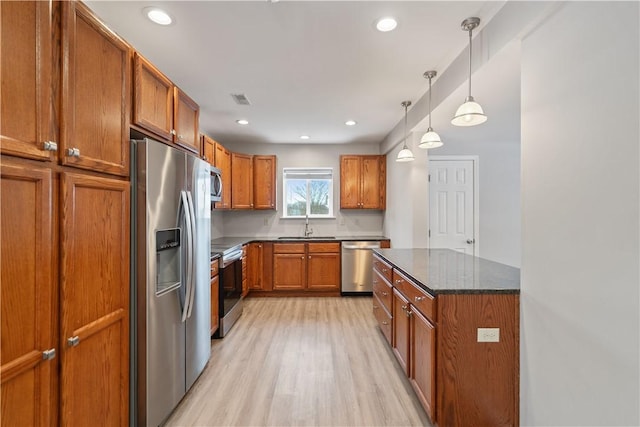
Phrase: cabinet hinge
{"type": "Point", "coordinates": [429, 232]}
{"type": "Point", "coordinates": [429, 178]}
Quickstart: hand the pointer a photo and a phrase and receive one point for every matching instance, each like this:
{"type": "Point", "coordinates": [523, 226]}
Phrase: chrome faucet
{"type": "Point", "coordinates": [308, 231]}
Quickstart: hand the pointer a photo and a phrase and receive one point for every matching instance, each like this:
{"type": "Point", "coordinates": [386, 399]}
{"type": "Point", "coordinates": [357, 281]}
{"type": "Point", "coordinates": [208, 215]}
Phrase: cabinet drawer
{"type": "Point", "coordinates": [324, 247]}
{"type": "Point", "coordinates": [288, 248]}
{"type": "Point", "coordinates": [420, 299]}
{"type": "Point", "coordinates": [382, 266]}
{"type": "Point", "coordinates": [383, 318]}
{"type": "Point", "coordinates": [214, 268]}
{"type": "Point", "coordinates": [382, 289]}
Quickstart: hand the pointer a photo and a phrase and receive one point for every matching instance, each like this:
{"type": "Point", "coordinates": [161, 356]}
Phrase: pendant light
{"type": "Point", "coordinates": [405, 155]}
{"type": "Point", "coordinates": [430, 139]}
{"type": "Point", "coordinates": [470, 113]}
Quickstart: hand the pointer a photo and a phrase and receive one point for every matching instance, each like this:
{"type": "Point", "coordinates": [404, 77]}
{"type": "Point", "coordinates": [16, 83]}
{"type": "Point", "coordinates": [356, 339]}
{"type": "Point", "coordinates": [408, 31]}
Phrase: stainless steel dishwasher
{"type": "Point", "coordinates": [357, 267]}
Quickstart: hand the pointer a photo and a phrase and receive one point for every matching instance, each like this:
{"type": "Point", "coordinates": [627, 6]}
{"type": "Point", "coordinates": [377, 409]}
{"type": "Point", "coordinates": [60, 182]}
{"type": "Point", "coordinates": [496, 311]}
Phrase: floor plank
{"type": "Point", "coordinates": [302, 362]}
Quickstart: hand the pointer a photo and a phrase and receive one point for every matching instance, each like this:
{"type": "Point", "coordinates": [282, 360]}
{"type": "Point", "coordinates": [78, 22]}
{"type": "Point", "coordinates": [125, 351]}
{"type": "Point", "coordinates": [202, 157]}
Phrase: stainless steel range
{"type": "Point", "coordinates": [230, 287]}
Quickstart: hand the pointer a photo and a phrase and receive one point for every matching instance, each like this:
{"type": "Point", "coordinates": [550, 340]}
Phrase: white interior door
{"type": "Point", "coordinates": [452, 204]}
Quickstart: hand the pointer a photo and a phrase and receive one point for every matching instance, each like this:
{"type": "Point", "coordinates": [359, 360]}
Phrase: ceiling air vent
{"type": "Point", "coordinates": [240, 98]}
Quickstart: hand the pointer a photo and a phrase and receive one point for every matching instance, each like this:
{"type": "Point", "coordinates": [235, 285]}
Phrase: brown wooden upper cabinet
{"type": "Point", "coordinates": [363, 182]}
{"type": "Point", "coordinates": [96, 93]}
{"type": "Point", "coordinates": [96, 90]}
{"type": "Point", "coordinates": [241, 181]}
{"type": "Point", "coordinates": [26, 71]}
{"type": "Point", "coordinates": [208, 149]}
{"type": "Point", "coordinates": [264, 182]}
{"type": "Point", "coordinates": [162, 108]}
{"type": "Point", "coordinates": [223, 162]}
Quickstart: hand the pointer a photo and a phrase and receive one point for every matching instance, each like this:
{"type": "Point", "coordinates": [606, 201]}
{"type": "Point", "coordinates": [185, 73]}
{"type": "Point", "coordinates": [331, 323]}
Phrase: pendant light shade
{"type": "Point", "coordinates": [405, 155]}
{"type": "Point", "coordinates": [430, 139]}
{"type": "Point", "coordinates": [470, 113]}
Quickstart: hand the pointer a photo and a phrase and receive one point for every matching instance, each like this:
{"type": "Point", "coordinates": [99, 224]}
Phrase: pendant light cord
{"type": "Point", "coordinates": [405, 125]}
{"type": "Point", "coordinates": [470, 31]}
{"type": "Point", "coordinates": [429, 102]}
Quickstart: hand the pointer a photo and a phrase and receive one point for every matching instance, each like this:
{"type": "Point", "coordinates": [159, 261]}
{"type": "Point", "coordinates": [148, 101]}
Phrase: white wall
{"type": "Point", "coordinates": [269, 223]}
{"type": "Point", "coordinates": [580, 217]}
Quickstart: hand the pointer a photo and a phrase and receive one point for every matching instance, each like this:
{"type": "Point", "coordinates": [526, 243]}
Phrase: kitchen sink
{"type": "Point", "coordinates": [307, 238]}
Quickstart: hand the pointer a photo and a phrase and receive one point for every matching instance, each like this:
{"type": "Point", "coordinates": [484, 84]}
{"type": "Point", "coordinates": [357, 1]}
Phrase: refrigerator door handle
{"type": "Point", "coordinates": [187, 217]}
{"type": "Point", "coordinates": [192, 266]}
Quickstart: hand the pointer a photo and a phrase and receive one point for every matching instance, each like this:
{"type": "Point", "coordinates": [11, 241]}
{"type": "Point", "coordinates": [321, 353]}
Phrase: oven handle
{"type": "Point", "coordinates": [228, 259]}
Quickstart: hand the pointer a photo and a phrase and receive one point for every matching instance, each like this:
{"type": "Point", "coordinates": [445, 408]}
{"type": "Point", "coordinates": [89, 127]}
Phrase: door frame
{"type": "Point", "coordinates": [476, 195]}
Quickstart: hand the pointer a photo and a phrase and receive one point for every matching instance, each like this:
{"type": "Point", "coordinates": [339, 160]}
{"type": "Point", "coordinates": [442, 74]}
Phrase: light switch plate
{"type": "Point", "coordinates": [488, 334]}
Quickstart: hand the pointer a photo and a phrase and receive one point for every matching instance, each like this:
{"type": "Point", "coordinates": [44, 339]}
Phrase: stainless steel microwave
{"type": "Point", "coordinates": [216, 184]}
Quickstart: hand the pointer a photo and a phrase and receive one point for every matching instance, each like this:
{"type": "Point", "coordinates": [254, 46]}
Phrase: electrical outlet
{"type": "Point", "coordinates": [488, 334]}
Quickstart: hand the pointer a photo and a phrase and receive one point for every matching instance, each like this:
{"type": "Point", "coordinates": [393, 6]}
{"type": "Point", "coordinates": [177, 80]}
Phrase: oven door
{"type": "Point", "coordinates": [216, 185]}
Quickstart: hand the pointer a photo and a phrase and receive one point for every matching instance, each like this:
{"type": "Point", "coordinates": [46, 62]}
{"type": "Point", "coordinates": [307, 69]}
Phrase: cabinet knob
{"type": "Point", "coordinates": [49, 354]}
{"type": "Point", "coordinates": [179, 136]}
{"type": "Point", "coordinates": [73, 341]}
{"type": "Point", "coordinates": [384, 294]}
{"type": "Point", "coordinates": [384, 322]}
{"type": "Point", "coordinates": [173, 132]}
{"type": "Point", "coordinates": [302, 257]}
{"type": "Point", "coordinates": [375, 307]}
{"type": "Point", "coordinates": [418, 299]}
{"type": "Point", "coordinates": [50, 146]}
{"type": "Point", "coordinates": [398, 281]}
{"type": "Point", "coordinates": [404, 308]}
{"type": "Point", "coordinates": [73, 152]}
{"type": "Point", "coordinates": [409, 313]}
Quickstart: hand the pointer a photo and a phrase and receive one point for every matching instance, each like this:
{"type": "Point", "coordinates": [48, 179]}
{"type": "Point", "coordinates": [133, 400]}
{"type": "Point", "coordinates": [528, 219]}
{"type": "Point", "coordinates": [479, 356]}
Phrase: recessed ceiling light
{"type": "Point", "coordinates": [386, 24]}
{"type": "Point", "coordinates": [350, 123]}
{"type": "Point", "coordinates": [242, 122]}
{"type": "Point", "coordinates": [157, 15]}
{"type": "Point", "coordinates": [304, 136]}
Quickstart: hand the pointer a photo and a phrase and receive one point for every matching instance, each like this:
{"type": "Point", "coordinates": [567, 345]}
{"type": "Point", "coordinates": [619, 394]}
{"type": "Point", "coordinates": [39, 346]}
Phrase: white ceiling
{"type": "Point", "coordinates": [306, 66]}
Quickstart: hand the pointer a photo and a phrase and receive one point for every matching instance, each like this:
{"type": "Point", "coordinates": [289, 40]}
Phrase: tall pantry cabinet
{"type": "Point", "coordinates": [64, 297]}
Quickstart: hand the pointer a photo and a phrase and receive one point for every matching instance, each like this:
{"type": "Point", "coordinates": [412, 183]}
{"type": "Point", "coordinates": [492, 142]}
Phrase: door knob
{"type": "Point", "coordinates": [471, 241]}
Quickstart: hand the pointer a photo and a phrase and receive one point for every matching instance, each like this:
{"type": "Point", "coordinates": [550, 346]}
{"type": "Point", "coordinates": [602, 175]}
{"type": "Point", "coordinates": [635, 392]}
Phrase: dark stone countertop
{"type": "Point", "coordinates": [444, 271]}
{"type": "Point", "coordinates": [223, 243]}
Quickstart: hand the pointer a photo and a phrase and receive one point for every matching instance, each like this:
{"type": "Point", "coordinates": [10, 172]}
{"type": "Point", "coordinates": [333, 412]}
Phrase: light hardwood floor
{"type": "Point", "coordinates": [302, 362]}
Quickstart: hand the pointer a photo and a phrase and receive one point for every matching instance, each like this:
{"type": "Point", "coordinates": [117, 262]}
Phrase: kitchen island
{"type": "Point", "coordinates": [453, 323]}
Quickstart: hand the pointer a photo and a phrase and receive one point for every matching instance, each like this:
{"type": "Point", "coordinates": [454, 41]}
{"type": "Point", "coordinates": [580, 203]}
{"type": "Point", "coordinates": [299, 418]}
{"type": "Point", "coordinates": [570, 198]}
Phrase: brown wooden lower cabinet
{"type": "Point", "coordinates": [422, 361]}
{"type": "Point", "coordinates": [459, 381]}
{"type": "Point", "coordinates": [401, 343]}
{"type": "Point", "coordinates": [94, 300]}
{"type": "Point", "coordinates": [28, 288]}
{"type": "Point", "coordinates": [255, 261]}
{"type": "Point", "coordinates": [306, 267]}
{"type": "Point", "coordinates": [215, 296]}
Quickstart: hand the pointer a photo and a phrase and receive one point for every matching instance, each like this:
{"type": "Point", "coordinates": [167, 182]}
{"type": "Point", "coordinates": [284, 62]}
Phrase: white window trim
{"type": "Point", "coordinates": [327, 170]}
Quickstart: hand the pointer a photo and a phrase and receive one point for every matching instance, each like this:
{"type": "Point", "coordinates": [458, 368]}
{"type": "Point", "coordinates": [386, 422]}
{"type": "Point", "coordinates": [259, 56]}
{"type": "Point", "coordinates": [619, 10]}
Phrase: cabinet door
{"type": "Point", "coordinates": [25, 70]}
{"type": "Point", "coordinates": [94, 301]}
{"type": "Point", "coordinates": [323, 271]}
{"type": "Point", "coordinates": [27, 288]}
{"type": "Point", "coordinates": [401, 330]}
{"type": "Point", "coordinates": [264, 182]}
{"type": "Point", "coordinates": [153, 99]}
{"type": "Point", "coordinates": [186, 122]}
{"type": "Point", "coordinates": [208, 149]}
{"type": "Point", "coordinates": [242, 178]}
{"type": "Point", "coordinates": [223, 162]}
{"type": "Point", "coordinates": [350, 172]}
{"type": "Point", "coordinates": [373, 183]}
{"type": "Point", "coordinates": [423, 361]}
{"type": "Point", "coordinates": [215, 309]}
{"type": "Point", "coordinates": [96, 93]}
{"type": "Point", "coordinates": [289, 271]}
{"type": "Point", "coordinates": [254, 266]}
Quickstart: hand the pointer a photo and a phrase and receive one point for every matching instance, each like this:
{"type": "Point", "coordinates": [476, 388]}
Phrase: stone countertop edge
{"type": "Point", "coordinates": [229, 242]}
{"type": "Point", "coordinates": [444, 271]}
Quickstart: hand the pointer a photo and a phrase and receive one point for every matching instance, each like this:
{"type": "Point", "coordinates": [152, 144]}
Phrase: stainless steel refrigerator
{"type": "Point", "coordinates": [171, 293]}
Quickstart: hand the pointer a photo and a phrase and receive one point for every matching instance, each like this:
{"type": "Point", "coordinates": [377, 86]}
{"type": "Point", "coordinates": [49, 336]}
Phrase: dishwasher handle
{"type": "Point", "coordinates": [373, 246]}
